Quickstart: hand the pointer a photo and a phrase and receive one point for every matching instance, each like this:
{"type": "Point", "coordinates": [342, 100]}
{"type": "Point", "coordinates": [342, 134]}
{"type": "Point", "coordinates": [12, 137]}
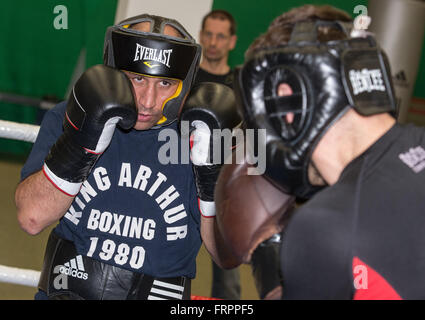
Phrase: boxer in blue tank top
{"type": "Point", "coordinates": [129, 225]}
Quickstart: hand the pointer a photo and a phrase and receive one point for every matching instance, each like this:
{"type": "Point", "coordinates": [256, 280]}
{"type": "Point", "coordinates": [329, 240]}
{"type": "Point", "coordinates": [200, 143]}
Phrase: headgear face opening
{"type": "Point", "coordinates": [155, 54]}
{"type": "Point", "coordinates": [326, 78]}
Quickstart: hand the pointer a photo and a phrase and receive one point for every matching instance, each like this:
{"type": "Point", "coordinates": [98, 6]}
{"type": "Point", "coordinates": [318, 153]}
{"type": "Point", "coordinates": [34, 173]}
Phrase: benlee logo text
{"type": "Point", "coordinates": [366, 80]}
{"type": "Point", "coordinates": [152, 54]}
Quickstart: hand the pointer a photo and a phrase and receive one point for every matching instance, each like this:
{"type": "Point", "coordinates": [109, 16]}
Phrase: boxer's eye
{"type": "Point", "coordinates": [138, 79]}
{"type": "Point", "coordinates": [165, 83]}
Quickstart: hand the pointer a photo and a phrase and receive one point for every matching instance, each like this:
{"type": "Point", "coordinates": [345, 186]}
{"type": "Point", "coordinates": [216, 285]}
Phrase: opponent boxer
{"type": "Point", "coordinates": [327, 102]}
{"type": "Point", "coordinates": [129, 226]}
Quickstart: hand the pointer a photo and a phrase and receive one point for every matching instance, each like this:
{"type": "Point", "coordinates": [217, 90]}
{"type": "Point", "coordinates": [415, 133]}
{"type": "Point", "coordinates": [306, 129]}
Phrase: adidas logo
{"type": "Point", "coordinates": [163, 290]}
{"type": "Point", "coordinates": [74, 268]}
{"type": "Point", "coordinates": [401, 79]}
{"type": "Point", "coordinates": [401, 76]}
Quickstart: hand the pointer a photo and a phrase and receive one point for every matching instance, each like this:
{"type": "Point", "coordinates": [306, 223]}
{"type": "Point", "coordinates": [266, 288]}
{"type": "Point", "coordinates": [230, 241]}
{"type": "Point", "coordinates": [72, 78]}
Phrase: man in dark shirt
{"type": "Point", "coordinates": [329, 109]}
{"type": "Point", "coordinates": [218, 38]}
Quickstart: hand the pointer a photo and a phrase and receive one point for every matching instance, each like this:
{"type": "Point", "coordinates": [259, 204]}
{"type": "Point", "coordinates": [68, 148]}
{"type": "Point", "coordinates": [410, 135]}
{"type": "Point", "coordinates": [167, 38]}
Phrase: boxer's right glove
{"type": "Point", "coordinates": [209, 106]}
{"type": "Point", "coordinates": [101, 98]}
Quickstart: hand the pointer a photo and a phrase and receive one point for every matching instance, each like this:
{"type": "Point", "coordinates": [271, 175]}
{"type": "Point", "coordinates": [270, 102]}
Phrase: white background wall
{"type": "Point", "coordinates": [188, 12]}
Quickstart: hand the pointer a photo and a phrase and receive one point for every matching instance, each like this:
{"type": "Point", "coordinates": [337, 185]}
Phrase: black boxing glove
{"type": "Point", "coordinates": [265, 264]}
{"type": "Point", "coordinates": [101, 98]}
{"type": "Point", "coordinates": [210, 106]}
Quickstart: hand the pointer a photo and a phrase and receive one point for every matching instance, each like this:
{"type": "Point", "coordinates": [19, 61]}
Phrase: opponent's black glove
{"type": "Point", "coordinates": [209, 106]}
{"type": "Point", "coordinates": [101, 98]}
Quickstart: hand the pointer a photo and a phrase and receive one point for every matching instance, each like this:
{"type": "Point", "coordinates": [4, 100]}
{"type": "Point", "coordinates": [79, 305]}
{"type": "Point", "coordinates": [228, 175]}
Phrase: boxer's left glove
{"type": "Point", "coordinates": [210, 106]}
{"type": "Point", "coordinates": [101, 98]}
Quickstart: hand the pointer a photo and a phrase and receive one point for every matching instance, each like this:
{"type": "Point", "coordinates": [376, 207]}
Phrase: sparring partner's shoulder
{"type": "Point", "coordinates": [414, 138]}
{"type": "Point", "coordinates": [316, 247]}
{"type": "Point", "coordinates": [50, 130]}
{"type": "Point", "coordinates": [411, 134]}
{"type": "Point", "coordinates": [394, 165]}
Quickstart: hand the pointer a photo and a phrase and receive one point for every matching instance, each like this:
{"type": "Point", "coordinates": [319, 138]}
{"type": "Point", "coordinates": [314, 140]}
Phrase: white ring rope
{"type": "Point", "coordinates": [18, 131]}
{"type": "Point", "coordinates": [28, 133]}
{"type": "Point", "coordinates": [25, 277]}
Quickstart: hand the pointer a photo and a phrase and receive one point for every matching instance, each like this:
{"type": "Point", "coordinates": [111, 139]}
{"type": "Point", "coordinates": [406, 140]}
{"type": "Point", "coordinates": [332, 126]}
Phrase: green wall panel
{"type": "Point", "coordinates": [36, 59]}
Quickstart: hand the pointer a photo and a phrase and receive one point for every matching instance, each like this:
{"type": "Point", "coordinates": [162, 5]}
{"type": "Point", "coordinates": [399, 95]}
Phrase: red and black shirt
{"type": "Point", "coordinates": [363, 237]}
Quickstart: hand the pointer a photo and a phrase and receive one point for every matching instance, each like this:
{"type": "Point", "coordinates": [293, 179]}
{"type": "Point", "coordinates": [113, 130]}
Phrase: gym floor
{"type": "Point", "coordinates": [18, 249]}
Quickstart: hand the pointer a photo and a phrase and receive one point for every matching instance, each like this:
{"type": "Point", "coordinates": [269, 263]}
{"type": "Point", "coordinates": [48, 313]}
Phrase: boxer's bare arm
{"type": "Point", "coordinates": [91, 119]}
{"type": "Point", "coordinates": [39, 203]}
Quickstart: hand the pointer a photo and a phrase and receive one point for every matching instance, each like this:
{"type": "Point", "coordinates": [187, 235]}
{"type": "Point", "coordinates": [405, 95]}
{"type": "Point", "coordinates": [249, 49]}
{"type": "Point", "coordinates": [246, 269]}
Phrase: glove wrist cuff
{"type": "Point", "coordinates": [207, 208]}
{"type": "Point", "coordinates": [69, 188]}
{"type": "Point", "coordinates": [67, 165]}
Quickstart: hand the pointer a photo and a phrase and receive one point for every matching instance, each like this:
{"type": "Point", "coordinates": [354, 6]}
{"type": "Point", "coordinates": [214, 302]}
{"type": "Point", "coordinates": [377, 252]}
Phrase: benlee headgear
{"type": "Point", "coordinates": [155, 54]}
{"type": "Point", "coordinates": [327, 79]}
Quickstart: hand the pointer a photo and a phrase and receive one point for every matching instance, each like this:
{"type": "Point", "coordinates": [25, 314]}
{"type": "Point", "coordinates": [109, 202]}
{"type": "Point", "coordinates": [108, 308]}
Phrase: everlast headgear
{"type": "Point", "coordinates": [155, 54]}
{"type": "Point", "coordinates": [327, 78]}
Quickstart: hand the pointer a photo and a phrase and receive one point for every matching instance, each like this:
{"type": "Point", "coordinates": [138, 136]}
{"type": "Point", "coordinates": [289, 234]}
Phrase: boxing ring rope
{"type": "Point", "coordinates": [28, 277]}
{"type": "Point", "coordinates": [27, 133]}
{"type": "Point", "coordinates": [25, 277]}
{"type": "Point", "coordinates": [18, 131]}
{"type": "Point", "coordinates": [42, 103]}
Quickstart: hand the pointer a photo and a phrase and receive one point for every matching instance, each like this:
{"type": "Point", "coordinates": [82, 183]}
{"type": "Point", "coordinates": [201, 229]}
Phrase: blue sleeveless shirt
{"type": "Point", "coordinates": [132, 211]}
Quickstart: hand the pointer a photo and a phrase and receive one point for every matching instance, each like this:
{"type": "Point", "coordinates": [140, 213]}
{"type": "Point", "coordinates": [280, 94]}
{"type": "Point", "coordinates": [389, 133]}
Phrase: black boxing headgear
{"type": "Point", "coordinates": [326, 78]}
{"type": "Point", "coordinates": [155, 54]}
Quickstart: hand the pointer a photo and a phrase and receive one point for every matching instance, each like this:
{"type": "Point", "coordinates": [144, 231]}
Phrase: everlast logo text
{"type": "Point", "coordinates": [151, 54]}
